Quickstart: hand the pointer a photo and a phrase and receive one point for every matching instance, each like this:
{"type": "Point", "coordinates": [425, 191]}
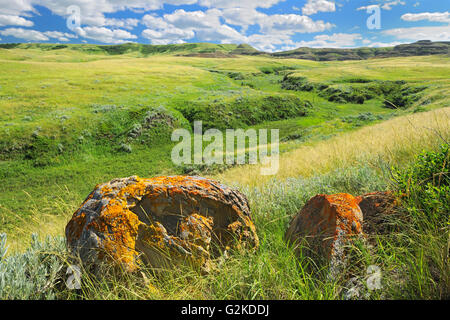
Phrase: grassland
{"type": "Point", "coordinates": [68, 121]}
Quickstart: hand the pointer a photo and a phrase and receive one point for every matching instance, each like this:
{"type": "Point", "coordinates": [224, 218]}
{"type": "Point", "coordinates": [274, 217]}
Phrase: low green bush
{"type": "Point", "coordinates": [276, 69]}
{"type": "Point", "coordinates": [396, 94]}
{"type": "Point", "coordinates": [236, 75]}
{"type": "Point", "coordinates": [299, 84]}
{"type": "Point", "coordinates": [426, 185]}
{"type": "Point", "coordinates": [42, 151]}
{"type": "Point", "coordinates": [244, 111]}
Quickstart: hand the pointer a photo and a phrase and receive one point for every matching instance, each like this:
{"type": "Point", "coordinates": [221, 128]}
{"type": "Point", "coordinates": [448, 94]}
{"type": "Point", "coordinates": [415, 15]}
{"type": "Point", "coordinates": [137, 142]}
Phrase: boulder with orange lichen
{"type": "Point", "coordinates": [324, 227]}
{"type": "Point", "coordinates": [160, 221]}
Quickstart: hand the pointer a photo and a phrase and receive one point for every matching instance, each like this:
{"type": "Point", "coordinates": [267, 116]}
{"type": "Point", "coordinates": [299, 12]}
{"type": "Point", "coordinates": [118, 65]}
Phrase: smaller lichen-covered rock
{"type": "Point", "coordinates": [378, 208]}
{"type": "Point", "coordinates": [325, 225]}
{"type": "Point", "coordinates": [160, 221]}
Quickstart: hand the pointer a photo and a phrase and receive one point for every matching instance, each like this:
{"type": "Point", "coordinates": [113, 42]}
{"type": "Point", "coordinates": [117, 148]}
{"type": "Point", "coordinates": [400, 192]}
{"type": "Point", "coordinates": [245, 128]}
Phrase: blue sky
{"type": "Point", "coordinates": [268, 25]}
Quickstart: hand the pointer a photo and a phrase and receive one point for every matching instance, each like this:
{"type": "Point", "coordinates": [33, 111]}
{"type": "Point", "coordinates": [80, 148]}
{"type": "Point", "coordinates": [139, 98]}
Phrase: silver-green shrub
{"type": "Point", "coordinates": [33, 274]}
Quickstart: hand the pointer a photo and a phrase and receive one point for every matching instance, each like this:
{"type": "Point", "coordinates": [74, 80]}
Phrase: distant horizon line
{"type": "Point", "coordinates": [217, 44]}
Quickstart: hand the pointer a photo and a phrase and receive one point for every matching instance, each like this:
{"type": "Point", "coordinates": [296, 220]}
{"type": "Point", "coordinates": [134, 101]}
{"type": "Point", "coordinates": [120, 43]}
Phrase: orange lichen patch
{"type": "Point", "coordinates": [76, 226]}
{"type": "Point", "coordinates": [242, 230]}
{"type": "Point", "coordinates": [327, 222]}
{"type": "Point", "coordinates": [135, 190]}
{"type": "Point", "coordinates": [119, 225]}
{"type": "Point", "coordinates": [153, 235]}
{"type": "Point", "coordinates": [348, 213]}
{"type": "Point", "coordinates": [186, 181]}
{"type": "Point", "coordinates": [197, 229]}
{"type": "Point", "coordinates": [106, 191]}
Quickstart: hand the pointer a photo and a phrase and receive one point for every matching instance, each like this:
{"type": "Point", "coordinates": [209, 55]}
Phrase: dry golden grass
{"type": "Point", "coordinates": [49, 218]}
{"type": "Point", "coordinates": [393, 141]}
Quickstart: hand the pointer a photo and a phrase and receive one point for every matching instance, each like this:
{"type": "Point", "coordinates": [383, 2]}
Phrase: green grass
{"type": "Point", "coordinates": [68, 121]}
{"type": "Point", "coordinates": [411, 259]}
{"type": "Point", "coordinates": [66, 111]}
{"type": "Point", "coordinates": [62, 118]}
{"type": "Point", "coordinates": [270, 273]}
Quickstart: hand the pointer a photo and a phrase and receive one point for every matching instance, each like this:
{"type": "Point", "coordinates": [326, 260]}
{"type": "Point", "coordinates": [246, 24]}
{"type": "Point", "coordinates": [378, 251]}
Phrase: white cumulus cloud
{"type": "Point", "coordinates": [12, 20]}
{"type": "Point", "coordinates": [315, 6]}
{"type": "Point", "coordinates": [184, 25]}
{"type": "Point", "coordinates": [61, 36]}
{"type": "Point", "coordinates": [26, 34]}
{"type": "Point", "coordinates": [386, 6]}
{"type": "Point", "coordinates": [429, 16]}
{"type": "Point", "coordinates": [389, 5]}
{"type": "Point", "coordinates": [293, 23]}
{"type": "Point", "coordinates": [420, 33]}
{"type": "Point", "coordinates": [384, 44]}
{"type": "Point", "coordinates": [16, 7]}
{"type": "Point", "coordinates": [34, 35]}
{"type": "Point", "coordinates": [105, 35]}
{"type": "Point", "coordinates": [336, 40]}
{"type": "Point", "coordinates": [216, 25]}
{"type": "Point", "coordinates": [223, 4]}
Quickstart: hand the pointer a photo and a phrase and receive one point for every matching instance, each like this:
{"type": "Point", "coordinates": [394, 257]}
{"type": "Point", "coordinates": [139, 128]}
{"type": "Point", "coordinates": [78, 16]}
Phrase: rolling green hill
{"type": "Point", "coordinates": [420, 48]}
{"type": "Point", "coordinates": [142, 49]}
{"type": "Point", "coordinates": [205, 50]}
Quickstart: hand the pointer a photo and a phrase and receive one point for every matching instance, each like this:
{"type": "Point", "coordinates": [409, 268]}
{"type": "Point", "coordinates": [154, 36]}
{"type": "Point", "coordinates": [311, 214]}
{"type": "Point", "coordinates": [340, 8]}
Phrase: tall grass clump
{"type": "Point", "coordinates": [424, 186]}
{"type": "Point", "coordinates": [48, 216]}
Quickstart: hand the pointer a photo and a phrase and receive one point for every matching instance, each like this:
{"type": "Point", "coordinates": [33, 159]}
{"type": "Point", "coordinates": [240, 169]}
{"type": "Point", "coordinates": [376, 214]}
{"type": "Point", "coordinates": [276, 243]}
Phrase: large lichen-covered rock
{"type": "Point", "coordinates": [324, 227]}
{"type": "Point", "coordinates": [160, 221]}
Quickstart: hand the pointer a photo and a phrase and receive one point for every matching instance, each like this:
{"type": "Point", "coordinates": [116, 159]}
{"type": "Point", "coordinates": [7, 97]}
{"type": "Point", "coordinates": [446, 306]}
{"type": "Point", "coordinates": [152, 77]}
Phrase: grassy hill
{"type": "Point", "coordinates": [77, 115]}
{"type": "Point", "coordinates": [138, 49]}
{"type": "Point", "coordinates": [210, 50]}
{"type": "Point", "coordinates": [420, 48]}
